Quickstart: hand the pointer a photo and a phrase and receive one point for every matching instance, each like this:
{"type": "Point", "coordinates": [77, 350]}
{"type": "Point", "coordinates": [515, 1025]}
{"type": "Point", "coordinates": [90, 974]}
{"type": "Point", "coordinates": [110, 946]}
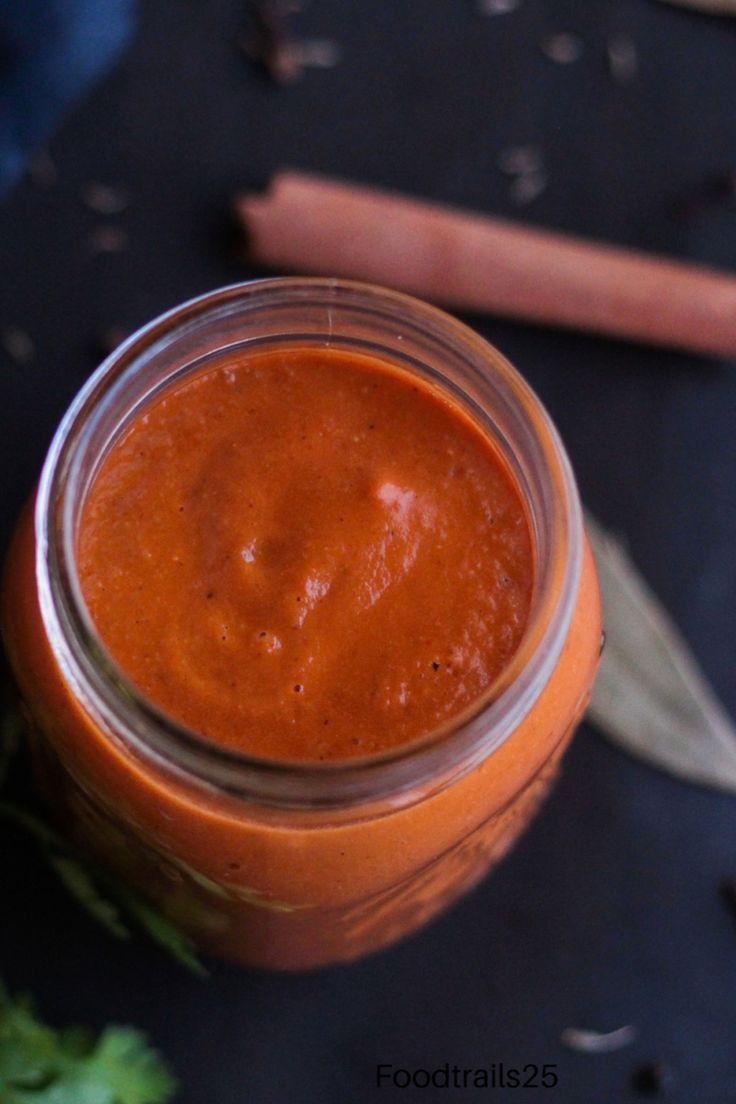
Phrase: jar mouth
{"type": "Point", "coordinates": [328, 312]}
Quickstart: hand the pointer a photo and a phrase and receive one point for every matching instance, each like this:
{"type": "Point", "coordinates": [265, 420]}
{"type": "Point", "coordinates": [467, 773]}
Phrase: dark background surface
{"type": "Point", "coordinates": [608, 912]}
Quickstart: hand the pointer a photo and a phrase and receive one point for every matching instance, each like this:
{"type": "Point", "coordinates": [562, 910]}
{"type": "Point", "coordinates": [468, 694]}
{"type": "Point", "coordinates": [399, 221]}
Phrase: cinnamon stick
{"type": "Point", "coordinates": [468, 261]}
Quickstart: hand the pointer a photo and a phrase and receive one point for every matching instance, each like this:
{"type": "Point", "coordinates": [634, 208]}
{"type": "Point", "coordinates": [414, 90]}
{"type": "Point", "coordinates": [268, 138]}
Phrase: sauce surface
{"type": "Point", "coordinates": [307, 554]}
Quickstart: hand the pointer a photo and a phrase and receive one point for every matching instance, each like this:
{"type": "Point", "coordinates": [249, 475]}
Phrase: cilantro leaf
{"type": "Point", "coordinates": [80, 883]}
{"type": "Point", "coordinates": [159, 928]}
{"type": "Point", "coordinates": [39, 1065]}
{"type": "Point", "coordinates": [123, 1063]}
{"type": "Point", "coordinates": [108, 901]}
{"type": "Point", "coordinates": [77, 878]}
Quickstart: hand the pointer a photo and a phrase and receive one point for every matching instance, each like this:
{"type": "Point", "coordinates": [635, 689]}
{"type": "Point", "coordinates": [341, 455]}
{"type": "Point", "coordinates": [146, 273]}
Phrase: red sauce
{"type": "Point", "coordinates": [307, 554]}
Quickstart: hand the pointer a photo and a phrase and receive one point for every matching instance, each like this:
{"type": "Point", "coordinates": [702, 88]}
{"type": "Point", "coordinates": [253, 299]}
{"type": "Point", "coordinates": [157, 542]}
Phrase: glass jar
{"type": "Point", "coordinates": [277, 864]}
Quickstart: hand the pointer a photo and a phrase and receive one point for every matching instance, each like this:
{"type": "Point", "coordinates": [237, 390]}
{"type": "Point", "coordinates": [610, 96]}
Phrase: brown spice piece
{"type": "Point", "coordinates": [471, 261]}
{"type": "Point", "coordinates": [18, 345]}
{"type": "Point", "coordinates": [267, 43]}
{"type": "Point", "coordinates": [271, 46]}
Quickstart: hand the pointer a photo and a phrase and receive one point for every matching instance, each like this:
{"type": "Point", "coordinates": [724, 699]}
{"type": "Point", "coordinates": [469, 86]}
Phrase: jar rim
{"type": "Point", "coordinates": [125, 715]}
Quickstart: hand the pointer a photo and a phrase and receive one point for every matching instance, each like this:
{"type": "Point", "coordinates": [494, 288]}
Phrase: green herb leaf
{"type": "Point", "coordinates": [159, 929]}
{"type": "Point", "coordinates": [75, 876]}
{"type": "Point", "coordinates": [33, 825]}
{"type": "Point", "coordinates": [39, 1065]}
{"type": "Point", "coordinates": [101, 895]}
{"type": "Point", "coordinates": [80, 883]}
{"type": "Point", "coordinates": [123, 1062]}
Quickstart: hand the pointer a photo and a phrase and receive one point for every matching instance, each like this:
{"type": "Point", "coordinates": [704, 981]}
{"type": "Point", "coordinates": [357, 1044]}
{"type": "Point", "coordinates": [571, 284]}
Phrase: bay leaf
{"type": "Point", "coordinates": [651, 698]}
{"type": "Point", "coordinates": [717, 7]}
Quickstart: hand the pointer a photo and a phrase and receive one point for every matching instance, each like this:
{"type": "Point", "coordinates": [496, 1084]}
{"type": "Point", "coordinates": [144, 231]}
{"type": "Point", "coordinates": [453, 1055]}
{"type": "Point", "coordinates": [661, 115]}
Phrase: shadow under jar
{"type": "Point", "coordinates": [280, 863]}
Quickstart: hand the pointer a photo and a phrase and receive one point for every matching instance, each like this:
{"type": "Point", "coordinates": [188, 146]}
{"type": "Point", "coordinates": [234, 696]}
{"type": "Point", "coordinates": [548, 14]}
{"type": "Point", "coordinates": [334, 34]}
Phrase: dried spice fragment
{"type": "Point", "coordinates": [267, 44]}
{"type": "Point", "coordinates": [271, 47]}
{"type": "Point", "coordinates": [597, 1042]}
{"type": "Point", "coordinates": [18, 345]}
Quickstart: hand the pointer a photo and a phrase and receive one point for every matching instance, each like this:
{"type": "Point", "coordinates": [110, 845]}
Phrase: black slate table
{"type": "Point", "coordinates": [608, 911]}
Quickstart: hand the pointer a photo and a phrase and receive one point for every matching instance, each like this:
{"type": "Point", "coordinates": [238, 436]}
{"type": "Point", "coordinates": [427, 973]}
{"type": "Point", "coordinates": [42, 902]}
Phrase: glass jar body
{"type": "Point", "coordinates": [282, 881]}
